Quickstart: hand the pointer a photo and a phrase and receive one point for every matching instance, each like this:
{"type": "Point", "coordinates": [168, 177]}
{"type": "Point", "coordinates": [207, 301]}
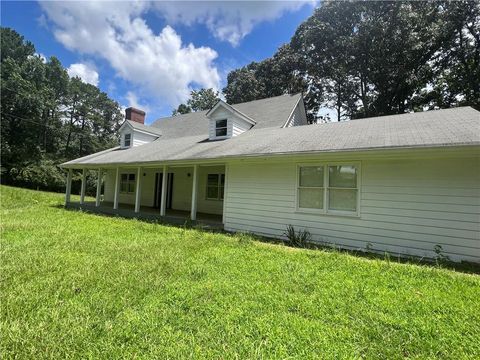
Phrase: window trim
{"type": "Point", "coordinates": [128, 183]}
{"type": "Point", "coordinates": [219, 197]}
{"type": "Point", "coordinates": [223, 127]}
{"type": "Point", "coordinates": [326, 187]}
{"type": "Point", "coordinates": [129, 140]}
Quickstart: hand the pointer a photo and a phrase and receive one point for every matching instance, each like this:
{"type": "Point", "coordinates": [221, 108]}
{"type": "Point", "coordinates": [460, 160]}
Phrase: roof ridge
{"type": "Point", "coordinates": [180, 116]}
{"type": "Point", "coordinates": [263, 99]}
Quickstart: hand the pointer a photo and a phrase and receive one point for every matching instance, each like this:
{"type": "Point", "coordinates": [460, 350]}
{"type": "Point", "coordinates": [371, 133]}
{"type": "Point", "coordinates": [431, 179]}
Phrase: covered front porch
{"type": "Point", "coordinates": [173, 194]}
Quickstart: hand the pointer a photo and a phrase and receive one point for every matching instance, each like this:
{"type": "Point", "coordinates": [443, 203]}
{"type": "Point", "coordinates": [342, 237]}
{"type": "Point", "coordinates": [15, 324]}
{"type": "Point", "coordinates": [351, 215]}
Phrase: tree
{"type": "Point", "coordinates": [182, 109]}
{"type": "Point", "coordinates": [353, 50]}
{"type": "Point", "coordinates": [278, 75]}
{"type": "Point", "coordinates": [47, 117]}
{"type": "Point", "coordinates": [243, 86]}
{"type": "Point", "coordinates": [203, 99]}
{"type": "Point", "coordinates": [457, 68]}
{"type": "Point", "coordinates": [373, 58]}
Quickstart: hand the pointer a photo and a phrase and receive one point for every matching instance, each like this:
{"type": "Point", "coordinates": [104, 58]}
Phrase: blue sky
{"type": "Point", "coordinates": [151, 54]}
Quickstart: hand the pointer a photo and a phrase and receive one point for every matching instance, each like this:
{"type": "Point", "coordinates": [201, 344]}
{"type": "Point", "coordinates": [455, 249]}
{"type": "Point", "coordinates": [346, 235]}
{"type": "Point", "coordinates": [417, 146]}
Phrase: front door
{"type": "Point", "coordinates": [158, 190]}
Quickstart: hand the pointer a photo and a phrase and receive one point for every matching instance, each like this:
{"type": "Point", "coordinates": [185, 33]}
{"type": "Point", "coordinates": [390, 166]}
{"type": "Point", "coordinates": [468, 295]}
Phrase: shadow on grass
{"type": "Point", "coordinates": [151, 219]}
{"type": "Point", "coordinates": [441, 262]}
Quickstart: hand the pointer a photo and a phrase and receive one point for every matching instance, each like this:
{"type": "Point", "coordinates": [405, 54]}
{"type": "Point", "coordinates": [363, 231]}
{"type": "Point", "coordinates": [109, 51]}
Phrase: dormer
{"type": "Point", "coordinates": [133, 132]}
{"type": "Point", "coordinates": [226, 122]}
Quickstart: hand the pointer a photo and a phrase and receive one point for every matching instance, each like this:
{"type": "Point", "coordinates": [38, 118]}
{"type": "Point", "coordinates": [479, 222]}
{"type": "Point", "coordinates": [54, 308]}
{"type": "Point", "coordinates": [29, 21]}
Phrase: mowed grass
{"type": "Point", "coordinates": [77, 285]}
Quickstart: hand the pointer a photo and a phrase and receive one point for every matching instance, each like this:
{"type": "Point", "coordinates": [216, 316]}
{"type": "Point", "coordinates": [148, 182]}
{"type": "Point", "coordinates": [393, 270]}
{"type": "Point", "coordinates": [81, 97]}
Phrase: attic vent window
{"type": "Point", "coordinates": [127, 140]}
{"type": "Point", "coordinates": [221, 127]}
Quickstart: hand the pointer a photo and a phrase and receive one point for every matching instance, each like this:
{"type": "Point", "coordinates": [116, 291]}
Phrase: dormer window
{"type": "Point", "coordinates": [127, 139]}
{"type": "Point", "coordinates": [221, 128]}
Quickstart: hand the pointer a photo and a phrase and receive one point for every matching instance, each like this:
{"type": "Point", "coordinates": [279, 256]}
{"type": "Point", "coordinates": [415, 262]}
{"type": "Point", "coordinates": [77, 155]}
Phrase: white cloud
{"type": "Point", "coordinates": [84, 72]}
{"type": "Point", "coordinates": [42, 57]}
{"type": "Point", "coordinates": [227, 20]}
{"type": "Point", "coordinates": [116, 32]}
{"type": "Point", "coordinates": [135, 102]}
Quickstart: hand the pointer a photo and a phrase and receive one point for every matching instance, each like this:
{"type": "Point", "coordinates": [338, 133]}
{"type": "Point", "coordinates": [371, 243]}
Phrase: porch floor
{"type": "Point", "coordinates": [149, 213]}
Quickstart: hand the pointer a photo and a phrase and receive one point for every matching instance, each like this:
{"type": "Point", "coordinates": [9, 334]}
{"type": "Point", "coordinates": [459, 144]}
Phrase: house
{"type": "Point", "coordinates": [404, 184]}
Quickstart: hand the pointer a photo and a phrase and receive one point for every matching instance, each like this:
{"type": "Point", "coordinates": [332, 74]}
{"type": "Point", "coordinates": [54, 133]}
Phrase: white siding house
{"type": "Point", "coordinates": [407, 206]}
{"type": "Point", "coordinates": [405, 184]}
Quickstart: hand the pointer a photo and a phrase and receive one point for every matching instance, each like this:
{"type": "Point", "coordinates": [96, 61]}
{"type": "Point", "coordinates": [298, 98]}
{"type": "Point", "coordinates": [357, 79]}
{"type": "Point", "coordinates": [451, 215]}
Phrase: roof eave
{"type": "Point", "coordinates": [357, 152]}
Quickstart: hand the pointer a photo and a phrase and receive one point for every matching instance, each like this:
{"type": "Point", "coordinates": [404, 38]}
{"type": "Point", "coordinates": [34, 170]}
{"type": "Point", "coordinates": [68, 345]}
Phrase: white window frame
{"type": "Point", "coordinates": [222, 127]}
{"type": "Point", "coordinates": [128, 183]}
{"type": "Point", "coordinates": [219, 197]}
{"type": "Point", "coordinates": [129, 140]}
{"type": "Point", "coordinates": [326, 187]}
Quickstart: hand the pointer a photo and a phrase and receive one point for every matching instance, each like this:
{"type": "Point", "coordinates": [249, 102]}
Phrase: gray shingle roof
{"type": "Point", "coordinates": [145, 128]}
{"type": "Point", "coordinates": [271, 112]}
{"type": "Point", "coordinates": [438, 128]}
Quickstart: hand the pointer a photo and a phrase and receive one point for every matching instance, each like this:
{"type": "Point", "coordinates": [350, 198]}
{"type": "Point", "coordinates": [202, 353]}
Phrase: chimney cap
{"type": "Point", "coordinates": [135, 110]}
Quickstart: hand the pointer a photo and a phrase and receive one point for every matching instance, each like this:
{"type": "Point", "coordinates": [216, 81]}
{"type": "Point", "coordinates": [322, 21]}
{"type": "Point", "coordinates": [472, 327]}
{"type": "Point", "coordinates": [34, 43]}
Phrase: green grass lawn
{"type": "Point", "coordinates": [77, 285]}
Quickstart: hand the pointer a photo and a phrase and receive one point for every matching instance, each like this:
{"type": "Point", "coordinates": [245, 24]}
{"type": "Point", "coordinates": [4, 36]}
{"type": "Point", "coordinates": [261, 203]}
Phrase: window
{"type": "Point", "coordinates": [127, 183]}
{"type": "Point", "coordinates": [331, 189]}
{"type": "Point", "coordinates": [127, 140]}
{"type": "Point", "coordinates": [342, 188]}
{"type": "Point", "coordinates": [221, 127]}
{"type": "Point", "coordinates": [215, 186]}
{"type": "Point", "coordinates": [310, 190]}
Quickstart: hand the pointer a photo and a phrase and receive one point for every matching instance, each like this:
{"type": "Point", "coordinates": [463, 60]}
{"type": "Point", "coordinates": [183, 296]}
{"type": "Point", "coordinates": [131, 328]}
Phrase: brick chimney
{"type": "Point", "coordinates": [135, 115]}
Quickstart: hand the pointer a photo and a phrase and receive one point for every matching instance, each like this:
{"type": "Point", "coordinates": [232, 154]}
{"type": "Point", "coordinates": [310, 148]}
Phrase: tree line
{"type": "Point", "coordinates": [47, 117]}
{"type": "Point", "coordinates": [369, 58]}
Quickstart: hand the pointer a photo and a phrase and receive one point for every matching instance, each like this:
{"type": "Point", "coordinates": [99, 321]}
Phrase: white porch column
{"type": "Point", "coordinates": [84, 185]}
{"type": "Point", "coordinates": [99, 187]}
{"type": "Point", "coordinates": [225, 193]}
{"type": "Point", "coordinates": [138, 190]}
{"type": "Point", "coordinates": [193, 214]}
{"type": "Point", "coordinates": [163, 198]}
{"type": "Point", "coordinates": [68, 189]}
{"type": "Point", "coordinates": [117, 189]}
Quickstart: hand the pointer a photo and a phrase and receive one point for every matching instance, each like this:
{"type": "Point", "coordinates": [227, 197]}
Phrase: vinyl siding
{"type": "Point", "coordinates": [298, 116]}
{"type": "Point", "coordinates": [406, 206]}
{"type": "Point", "coordinates": [142, 138]}
{"type": "Point", "coordinates": [182, 188]}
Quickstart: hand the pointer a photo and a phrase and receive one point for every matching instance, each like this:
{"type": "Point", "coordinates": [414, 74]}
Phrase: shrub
{"type": "Point", "coordinates": [299, 238]}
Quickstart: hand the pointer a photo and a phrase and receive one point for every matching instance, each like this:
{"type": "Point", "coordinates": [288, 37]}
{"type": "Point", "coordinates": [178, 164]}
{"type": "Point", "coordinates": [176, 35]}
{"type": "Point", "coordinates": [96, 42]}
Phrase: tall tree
{"type": "Point", "coordinates": [203, 99]}
{"type": "Point", "coordinates": [47, 117]}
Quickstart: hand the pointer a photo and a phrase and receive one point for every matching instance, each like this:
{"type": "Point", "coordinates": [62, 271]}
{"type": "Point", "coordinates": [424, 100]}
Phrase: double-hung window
{"type": "Point", "coordinates": [221, 128]}
{"type": "Point", "coordinates": [127, 140]}
{"type": "Point", "coordinates": [215, 186]}
{"type": "Point", "coordinates": [342, 188]}
{"type": "Point", "coordinates": [328, 188]}
{"type": "Point", "coordinates": [127, 183]}
{"type": "Point", "coordinates": [311, 189]}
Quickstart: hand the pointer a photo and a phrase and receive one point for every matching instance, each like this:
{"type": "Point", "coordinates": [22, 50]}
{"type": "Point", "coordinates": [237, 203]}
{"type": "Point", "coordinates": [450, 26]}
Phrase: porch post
{"type": "Point", "coordinates": [117, 189]}
{"type": "Point", "coordinates": [68, 189]}
{"type": "Point", "coordinates": [193, 214]}
{"type": "Point", "coordinates": [99, 187]}
{"type": "Point", "coordinates": [138, 190]}
{"type": "Point", "coordinates": [163, 198]}
{"type": "Point", "coordinates": [84, 185]}
{"type": "Point", "coordinates": [225, 193]}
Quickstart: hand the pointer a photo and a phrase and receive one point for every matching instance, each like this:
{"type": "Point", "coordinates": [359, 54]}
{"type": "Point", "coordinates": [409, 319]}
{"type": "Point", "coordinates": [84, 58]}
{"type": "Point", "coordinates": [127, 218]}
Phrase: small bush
{"type": "Point", "coordinates": [299, 238]}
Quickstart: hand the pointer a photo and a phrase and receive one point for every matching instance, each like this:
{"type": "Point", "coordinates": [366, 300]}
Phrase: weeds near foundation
{"type": "Point", "coordinates": [299, 238]}
{"type": "Point", "coordinates": [440, 257]}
